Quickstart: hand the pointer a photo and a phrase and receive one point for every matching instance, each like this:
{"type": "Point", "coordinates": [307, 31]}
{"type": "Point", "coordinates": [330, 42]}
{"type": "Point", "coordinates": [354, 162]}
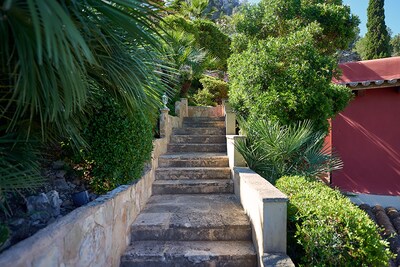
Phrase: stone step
{"type": "Point", "coordinates": [198, 139]}
{"type": "Point", "coordinates": [190, 253]}
{"type": "Point", "coordinates": [205, 124]}
{"type": "Point", "coordinates": [192, 218]}
{"type": "Point", "coordinates": [222, 186]}
{"type": "Point", "coordinates": [179, 147]}
{"type": "Point", "coordinates": [174, 173]}
{"type": "Point", "coordinates": [202, 119]}
{"type": "Point", "coordinates": [198, 131]}
{"type": "Point", "coordinates": [194, 160]}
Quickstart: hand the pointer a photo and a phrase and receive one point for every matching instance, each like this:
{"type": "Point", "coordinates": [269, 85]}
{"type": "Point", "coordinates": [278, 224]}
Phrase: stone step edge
{"type": "Point", "coordinates": [198, 144]}
{"type": "Point", "coordinates": [192, 156]}
{"type": "Point", "coordinates": [159, 249]}
{"type": "Point", "coordinates": [227, 169]}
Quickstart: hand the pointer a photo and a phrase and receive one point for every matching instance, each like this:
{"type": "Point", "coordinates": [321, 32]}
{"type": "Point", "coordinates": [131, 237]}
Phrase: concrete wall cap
{"type": "Point", "coordinates": [235, 137]}
{"type": "Point", "coordinates": [266, 191]}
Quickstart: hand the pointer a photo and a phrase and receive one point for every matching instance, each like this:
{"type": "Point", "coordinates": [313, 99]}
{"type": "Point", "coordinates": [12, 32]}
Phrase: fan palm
{"type": "Point", "coordinates": [273, 150]}
{"type": "Point", "coordinates": [190, 61]}
{"type": "Point", "coordinates": [54, 55]}
{"type": "Point", "coordinates": [195, 9]}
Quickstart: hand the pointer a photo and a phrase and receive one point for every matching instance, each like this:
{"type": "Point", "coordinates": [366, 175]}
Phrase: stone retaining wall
{"type": "Point", "coordinates": [93, 235]}
{"type": "Point", "coordinates": [265, 205]}
{"type": "Point", "coordinates": [217, 111]}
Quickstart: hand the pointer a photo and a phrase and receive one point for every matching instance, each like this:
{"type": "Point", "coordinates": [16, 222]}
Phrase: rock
{"type": "Point", "coordinates": [67, 203]}
{"type": "Point", "coordinates": [58, 165]}
{"type": "Point", "coordinates": [17, 223]}
{"type": "Point", "coordinates": [92, 196]}
{"type": "Point", "coordinates": [44, 206]}
{"type": "Point", "coordinates": [61, 184]}
{"type": "Point", "coordinates": [54, 201]}
{"type": "Point", "coordinates": [71, 185]}
{"type": "Point", "coordinates": [61, 174]}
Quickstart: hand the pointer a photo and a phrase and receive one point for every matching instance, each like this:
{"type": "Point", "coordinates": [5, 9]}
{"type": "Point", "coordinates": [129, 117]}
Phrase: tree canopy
{"type": "Point", "coordinates": [377, 38]}
{"type": "Point", "coordinates": [282, 62]}
{"type": "Point", "coordinates": [278, 18]}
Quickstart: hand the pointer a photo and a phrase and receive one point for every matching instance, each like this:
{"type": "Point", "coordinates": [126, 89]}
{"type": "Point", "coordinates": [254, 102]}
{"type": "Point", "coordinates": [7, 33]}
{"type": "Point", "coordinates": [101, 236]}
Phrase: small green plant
{"type": "Point", "coordinates": [120, 143]}
{"type": "Point", "coordinates": [273, 150]}
{"type": "Point", "coordinates": [329, 229]}
{"type": "Point", "coordinates": [218, 88]}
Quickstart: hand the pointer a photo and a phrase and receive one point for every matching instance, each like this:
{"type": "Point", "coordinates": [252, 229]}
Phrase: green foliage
{"type": "Point", "coordinates": [204, 98]}
{"type": "Point", "coordinates": [19, 169]}
{"type": "Point", "coordinates": [273, 150]}
{"type": "Point", "coordinates": [217, 88]}
{"type": "Point", "coordinates": [339, 26]}
{"type": "Point", "coordinates": [194, 9]}
{"type": "Point", "coordinates": [395, 45]}
{"type": "Point", "coordinates": [377, 44]}
{"type": "Point", "coordinates": [266, 84]}
{"type": "Point", "coordinates": [361, 48]}
{"type": "Point", "coordinates": [50, 62]}
{"type": "Point", "coordinates": [120, 143]}
{"type": "Point", "coordinates": [190, 61]}
{"type": "Point", "coordinates": [207, 36]}
{"type": "Point", "coordinates": [273, 18]}
{"type": "Point", "coordinates": [211, 38]}
{"type": "Point", "coordinates": [330, 230]}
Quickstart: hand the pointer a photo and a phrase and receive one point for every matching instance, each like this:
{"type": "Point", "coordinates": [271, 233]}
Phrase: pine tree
{"type": "Point", "coordinates": [377, 35]}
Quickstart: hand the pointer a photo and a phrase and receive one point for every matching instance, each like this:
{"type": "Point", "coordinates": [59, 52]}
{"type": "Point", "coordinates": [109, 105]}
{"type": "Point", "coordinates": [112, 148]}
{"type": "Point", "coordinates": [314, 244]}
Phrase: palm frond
{"type": "Point", "coordinates": [19, 169]}
{"type": "Point", "coordinates": [274, 150]}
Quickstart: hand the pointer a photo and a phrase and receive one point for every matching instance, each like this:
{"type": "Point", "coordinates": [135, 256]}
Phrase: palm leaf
{"type": "Point", "coordinates": [274, 150]}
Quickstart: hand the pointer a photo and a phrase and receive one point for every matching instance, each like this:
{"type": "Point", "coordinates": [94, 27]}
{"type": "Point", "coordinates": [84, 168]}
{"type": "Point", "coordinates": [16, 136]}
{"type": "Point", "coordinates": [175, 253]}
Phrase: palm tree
{"type": "Point", "coordinates": [190, 61]}
{"type": "Point", "coordinates": [196, 9]}
{"type": "Point", "coordinates": [55, 55]}
{"type": "Point", "coordinates": [273, 150]}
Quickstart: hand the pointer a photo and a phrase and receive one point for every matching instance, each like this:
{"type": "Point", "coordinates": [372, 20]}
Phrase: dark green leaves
{"type": "Point", "coordinates": [273, 150]}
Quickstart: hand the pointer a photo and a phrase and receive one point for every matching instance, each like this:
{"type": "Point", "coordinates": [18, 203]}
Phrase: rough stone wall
{"type": "Point", "coordinates": [94, 235]}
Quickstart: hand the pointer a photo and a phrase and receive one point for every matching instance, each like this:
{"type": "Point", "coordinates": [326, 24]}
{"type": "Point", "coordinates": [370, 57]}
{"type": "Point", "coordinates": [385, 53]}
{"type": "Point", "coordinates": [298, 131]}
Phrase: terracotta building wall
{"type": "Point", "coordinates": [366, 135]}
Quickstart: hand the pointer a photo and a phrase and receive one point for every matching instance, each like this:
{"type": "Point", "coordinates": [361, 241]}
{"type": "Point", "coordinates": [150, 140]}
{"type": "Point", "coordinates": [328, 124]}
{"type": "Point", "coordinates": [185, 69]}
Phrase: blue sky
{"type": "Point", "coordinates": [359, 8]}
{"type": "Point", "coordinates": [392, 8]}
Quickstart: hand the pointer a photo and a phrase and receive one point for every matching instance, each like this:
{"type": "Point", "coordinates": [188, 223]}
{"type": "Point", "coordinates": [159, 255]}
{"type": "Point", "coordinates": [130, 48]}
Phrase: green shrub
{"type": "Point", "coordinates": [203, 98]}
{"type": "Point", "coordinates": [218, 88]}
{"type": "Point", "coordinates": [120, 143]}
{"type": "Point", "coordinates": [330, 230]}
{"type": "Point", "coordinates": [216, 42]}
{"type": "Point", "coordinates": [267, 84]}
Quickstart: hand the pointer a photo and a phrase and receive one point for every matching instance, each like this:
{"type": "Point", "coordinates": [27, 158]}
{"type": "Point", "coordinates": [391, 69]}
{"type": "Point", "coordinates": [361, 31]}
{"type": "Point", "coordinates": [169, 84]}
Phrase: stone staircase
{"type": "Point", "coordinates": [193, 217]}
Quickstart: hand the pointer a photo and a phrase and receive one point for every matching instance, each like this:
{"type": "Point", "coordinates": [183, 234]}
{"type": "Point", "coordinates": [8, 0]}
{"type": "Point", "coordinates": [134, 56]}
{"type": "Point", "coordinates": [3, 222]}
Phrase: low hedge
{"type": "Point", "coordinates": [120, 143]}
{"type": "Point", "coordinates": [329, 229]}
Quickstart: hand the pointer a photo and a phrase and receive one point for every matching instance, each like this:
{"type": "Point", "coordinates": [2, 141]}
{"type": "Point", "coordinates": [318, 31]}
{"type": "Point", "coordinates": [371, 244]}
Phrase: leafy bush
{"type": "Point", "coordinates": [330, 230]}
{"type": "Point", "coordinates": [273, 150]}
{"type": "Point", "coordinates": [266, 84]}
{"type": "Point", "coordinates": [207, 36]}
{"type": "Point", "coordinates": [120, 143]}
{"type": "Point", "coordinates": [203, 98]}
{"type": "Point", "coordinates": [214, 40]}
{"type": "Point", "coordinates": [218, 88]}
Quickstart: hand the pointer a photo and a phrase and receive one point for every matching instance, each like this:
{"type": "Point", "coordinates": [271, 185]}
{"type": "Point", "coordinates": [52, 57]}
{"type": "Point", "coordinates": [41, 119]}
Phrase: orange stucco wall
{"type": "Point", "coordinates": [366, 135]}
